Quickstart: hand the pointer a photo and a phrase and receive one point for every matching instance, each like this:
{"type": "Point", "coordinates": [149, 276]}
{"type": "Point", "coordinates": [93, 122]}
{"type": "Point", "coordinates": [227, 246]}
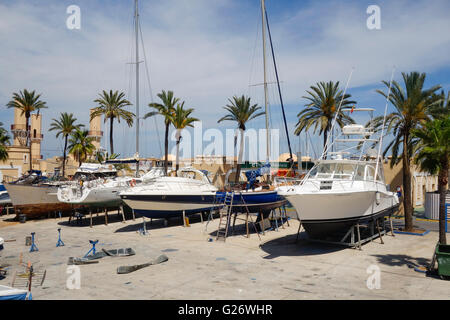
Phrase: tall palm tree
{"type": "Point", "coordinates": [112, 105]}
{"type": "Point", "coordinates": [65, 126]}
{"type": "Point", "coordinates": [412, 106]}
{"type": "Point", "coordinates": [80, 145]}
{"type": "Point", "coordinates": [181, 119]}
{"type": "Point", "coordinates": [165, 109]}
{"type": "Point", "coordinates": [241, 111]}
{"type": "Point", "coordinates": [4, 143]}
{"type": "Point", "coordinates": [324, 100]}
{"type": "Point", "coordinates": [27, 102]}
{"type": "Point", "coordinates": [433, 156]}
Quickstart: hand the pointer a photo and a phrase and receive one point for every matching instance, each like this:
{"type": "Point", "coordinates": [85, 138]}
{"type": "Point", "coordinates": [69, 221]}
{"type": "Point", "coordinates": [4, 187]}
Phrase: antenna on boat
{"type": "Point", "coordinates": [384, 123]}
{"type": "Point", "coordinates": [327, 146]}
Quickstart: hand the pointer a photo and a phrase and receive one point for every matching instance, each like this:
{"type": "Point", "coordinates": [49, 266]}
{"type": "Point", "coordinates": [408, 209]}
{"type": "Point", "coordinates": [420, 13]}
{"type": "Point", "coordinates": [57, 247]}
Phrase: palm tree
{"type": "Point", "coordinates": [320, 112]}
{"type": "Point", "coordinates": [440, 109]}
{"type": "Point", "coordinates": [433, 156]}
{"type": "Point", "coordinates": [165, 109]}
{"type": "Point", "coordinates": [101, 157]}
{"type": "Point", "coordinates": [80, 145]}
{"type": "Point", "coordinates": [241, 111]}
{"type": "Point", "coordinates": [4, 143]}
{"type": "Point", "coordinates": [112, 105]}
{"type": "Point", "coordinates": [27, 102]}
{"type": "Point", "coordinates": [65, 126]}
{"type": "Point", "coordinates": [180, 120]}
{"type": "Point", "coordinates": [412, 107]}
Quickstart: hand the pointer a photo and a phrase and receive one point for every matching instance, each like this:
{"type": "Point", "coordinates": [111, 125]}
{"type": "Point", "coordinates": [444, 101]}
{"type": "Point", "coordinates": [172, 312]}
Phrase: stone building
{"type": "Point", "coordinates": [19, 162]}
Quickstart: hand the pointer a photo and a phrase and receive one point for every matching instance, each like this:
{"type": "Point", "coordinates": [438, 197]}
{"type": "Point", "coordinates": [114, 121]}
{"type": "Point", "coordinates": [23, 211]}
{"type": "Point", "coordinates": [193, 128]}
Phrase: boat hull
{"type": "Point", "coordinates": [104, 197]}
{"type": "Point", "coordinates": [256, 201]}
{"type": "Point", "coordinates": [35, 201]}
{"type": "Point", "coordinates": [169, 206]}
{"type": "Point", "coordinates": [322, 214]}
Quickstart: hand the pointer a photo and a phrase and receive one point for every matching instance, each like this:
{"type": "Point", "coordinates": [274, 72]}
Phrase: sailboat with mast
{"type": "Point", "coordinates": [265, 198]}
{"type": "Point", "coordinates": [105, 192]}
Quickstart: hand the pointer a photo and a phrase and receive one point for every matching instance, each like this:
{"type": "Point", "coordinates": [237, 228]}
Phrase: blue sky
{"type": "Point", "coordinates": [208, 50]}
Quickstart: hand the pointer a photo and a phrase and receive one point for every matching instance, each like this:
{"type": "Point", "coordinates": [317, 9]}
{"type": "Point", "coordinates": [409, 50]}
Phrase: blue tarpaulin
{"type": "Point", "coordinates": [253, 174]}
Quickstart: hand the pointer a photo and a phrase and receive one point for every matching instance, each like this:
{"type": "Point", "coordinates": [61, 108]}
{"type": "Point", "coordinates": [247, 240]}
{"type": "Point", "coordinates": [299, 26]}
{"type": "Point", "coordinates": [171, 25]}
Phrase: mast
{"type": "Point", "coordinates": [136, 15]}
{"type": "Point", "coordinates": [266, 99]}
{"type": "Point", "coordinates": [279, 93]}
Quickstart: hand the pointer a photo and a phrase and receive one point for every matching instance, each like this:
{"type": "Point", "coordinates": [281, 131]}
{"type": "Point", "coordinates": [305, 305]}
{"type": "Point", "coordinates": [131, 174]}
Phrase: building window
{"type": "Point", "coordinates": [25, 158]}
{"type": "Point", "coordinates": [34, 133]}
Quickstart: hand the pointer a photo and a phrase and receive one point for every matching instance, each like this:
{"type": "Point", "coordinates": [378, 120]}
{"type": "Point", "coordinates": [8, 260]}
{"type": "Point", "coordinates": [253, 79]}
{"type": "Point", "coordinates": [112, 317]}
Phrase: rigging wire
{"type": "Point", "coordinates": [150, 87]}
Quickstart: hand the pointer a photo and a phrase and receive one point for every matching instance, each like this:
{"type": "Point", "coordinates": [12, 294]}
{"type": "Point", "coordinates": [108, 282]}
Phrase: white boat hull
{"type": "Point", "coordinates": [341, 206]}
{"type": "Point", "coordinates": [323, 212]}
{"type": "Point", "coordinates": [100, 197]}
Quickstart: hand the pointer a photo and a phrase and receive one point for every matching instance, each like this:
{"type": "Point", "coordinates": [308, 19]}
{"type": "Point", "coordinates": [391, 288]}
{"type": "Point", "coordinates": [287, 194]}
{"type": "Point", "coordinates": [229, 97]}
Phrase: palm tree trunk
{"type": "Point", "coordinates": [241, 151]}
{"type": "Point", "coordinates": [166, 148]}
{"type": "Point", "coordinates": [407, 200]}
{"type": "Point", "coordinates": [442, 188]}
{"type": "Point", "coordinates": [29, 141]}
{"type": "Point", "coordinates": [64, 156]}
{"type": "Point", "coordinates": [111, 135]}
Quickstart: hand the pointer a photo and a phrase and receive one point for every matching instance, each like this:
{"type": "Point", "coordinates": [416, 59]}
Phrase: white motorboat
{"type": "Point", "coordinates": [101, 191]}
{"type": "Point", "coordinates": [347, 189]}
{"type": "Point", "coordinates": [35, 195]}
{"type": "Point", "coordinates": [164, 197]}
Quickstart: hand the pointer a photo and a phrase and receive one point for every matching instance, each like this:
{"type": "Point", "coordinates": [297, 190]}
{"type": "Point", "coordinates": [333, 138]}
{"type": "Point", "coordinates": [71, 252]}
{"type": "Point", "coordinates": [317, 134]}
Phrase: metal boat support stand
{"type": "Point", "coordinates": [33, 245]}
{"type": "Point", "coordinates": [106, 216]}
{"type": "Point", "coordinates": [282, 216]}
{"type": "Point", "coordinates": [143, 231]}
{"type": "Point", "coordinates": [92, 250]}
{"type": "Point", "coordinates": [358, 234]}
{"type": "Point", "coordinates": [121, 212]}
{"type": "Point", "coordinates": [60, 243]}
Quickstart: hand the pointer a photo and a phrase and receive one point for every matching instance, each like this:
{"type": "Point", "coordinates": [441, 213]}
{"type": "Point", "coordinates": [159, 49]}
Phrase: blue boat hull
{"type": "Point", "coordinates": [256, 202]}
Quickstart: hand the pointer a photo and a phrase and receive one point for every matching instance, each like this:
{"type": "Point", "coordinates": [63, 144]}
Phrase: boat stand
{"type": "Point", "coordinates": [121, 212]}
{"type": "Point", "coordinates": [33, 245]}
{"type": "Point", "coordinates": [358, 234]}
{"type": "Point", "coordinates": [60, 243]}
{"type": "Point", "coordinates": [93, 242]}
{"type": "Point", "coordinates": [143, 231]}
{"type": "Point", "coordinates": [282, 216]}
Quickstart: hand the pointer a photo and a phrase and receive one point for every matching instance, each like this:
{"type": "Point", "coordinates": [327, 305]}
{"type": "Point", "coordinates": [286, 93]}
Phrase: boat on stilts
{"type": "Point", "coordinates": [346, 187]}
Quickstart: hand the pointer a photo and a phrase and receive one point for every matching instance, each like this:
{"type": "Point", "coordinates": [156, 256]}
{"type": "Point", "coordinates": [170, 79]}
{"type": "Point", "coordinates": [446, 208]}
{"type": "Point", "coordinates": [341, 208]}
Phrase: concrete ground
{"type": "Point", "coordinates": [277, 267]}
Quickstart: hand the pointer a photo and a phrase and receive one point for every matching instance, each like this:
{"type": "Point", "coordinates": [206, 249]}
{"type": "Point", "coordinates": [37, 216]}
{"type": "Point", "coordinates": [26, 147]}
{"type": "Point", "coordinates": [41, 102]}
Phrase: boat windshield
{"type": "Point", "coordinates": [346, 171]}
